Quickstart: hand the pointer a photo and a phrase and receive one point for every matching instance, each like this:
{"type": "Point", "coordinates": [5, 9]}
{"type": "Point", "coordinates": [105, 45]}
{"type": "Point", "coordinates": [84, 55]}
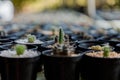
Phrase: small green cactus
{"type": "Point", "coordinates": [63, 47]}
{"type": "Point", "coordinates": [61, 36]}
{"type": "Point", "coordinates": [106, 51]}
{"type": "Point", "coordinates": [31, 38]}
{"type": "Point", "coordinates": [20, 49]}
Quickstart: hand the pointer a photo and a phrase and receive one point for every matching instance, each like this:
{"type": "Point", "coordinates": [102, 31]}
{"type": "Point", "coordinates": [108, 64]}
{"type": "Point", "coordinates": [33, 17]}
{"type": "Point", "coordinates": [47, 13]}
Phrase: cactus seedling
{"type": "Point", "coordinates": [20, 49]}
{"type": "Point", "coordinates": [61, 36]}
{"type": "Point", "coordinates": [31, 38]}
{"type": "Point", "coordinates": [106, 51]}
{"type": "Point", "coordinates": [62, 47]}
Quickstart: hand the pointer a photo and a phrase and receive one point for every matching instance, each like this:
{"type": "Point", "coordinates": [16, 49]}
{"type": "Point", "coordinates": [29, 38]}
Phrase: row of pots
{"type": "Point", "coordinates": [89, 68]}
{"type": "Point", "coordinates": [62, 67]}
{"type": "Point", "coordinates": [18, 68]}
{"type": "Point", "coordinates": [83, 33]}
{"type": "Point", "coordinates": [55, 67]}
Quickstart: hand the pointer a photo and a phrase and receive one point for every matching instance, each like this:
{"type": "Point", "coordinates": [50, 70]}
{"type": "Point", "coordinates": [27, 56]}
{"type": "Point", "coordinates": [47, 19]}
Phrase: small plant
{"type": "Point", "coordinates": [3, 33]}
{"type": "Point", "coordinates": [62, 47]}
{"type": "Point", "coordinates": [106, 51]}
{"type": "Point", "coordinates": [20, 49]}
{"type": "Point", "coordinates": [31, 38]}
{"type": "Point", "coordinates": [61, 36]}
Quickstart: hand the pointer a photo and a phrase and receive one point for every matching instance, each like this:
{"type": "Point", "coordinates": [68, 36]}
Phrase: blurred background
{"type": "Point", "coordinates": [82, 12]}
{"type": "Point", "coordinates": [80, 19]}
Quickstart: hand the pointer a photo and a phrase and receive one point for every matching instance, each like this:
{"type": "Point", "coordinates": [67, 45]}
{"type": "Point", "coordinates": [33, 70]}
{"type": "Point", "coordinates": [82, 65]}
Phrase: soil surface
{"type": "Point", "coordinates": [100, 54]}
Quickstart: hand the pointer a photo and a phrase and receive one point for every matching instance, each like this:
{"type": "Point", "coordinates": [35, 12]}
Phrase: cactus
{"type": "Point", "coordinates": [106, 51]}
{"type": "Point", "coordinates": [20, 49]}
{"type": "Point", "coordinates": [62, 47]}
{"type": "Point", "coordinates": [61, 36]}
{"type": "Point", "coordinates": [31, 38]}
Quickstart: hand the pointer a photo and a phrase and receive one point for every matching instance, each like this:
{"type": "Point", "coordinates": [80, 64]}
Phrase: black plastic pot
{"type": "Point", "coordinates": [108, 37]}
{"type": "Point", "coordinates": [87, 44]}
{"type": "Point", "coordinates": [94, 68]}
{"type": "Point", "coordinates": [113, 43]}
{"type": "Point", "coordinates": [13, 38]}
{"type": "Point", "coordinates": [117, 47]}
{"type": "Point", "coordinates": [11, 46]}
{"type": "Point", "coordinates": [61, 67]}
{"type": "Point", "coordinates": [81, 37]}
{"type": "Point", "coordinates": [5, 41]}
{"type": "Point", "coordinates": [30, 45]}
{"type": "Point", "coordinates": [9, 38]}
{"type": "Point", "coordinates": [46, 44]}
{"type": "Point", "coordinates": [19, 68]}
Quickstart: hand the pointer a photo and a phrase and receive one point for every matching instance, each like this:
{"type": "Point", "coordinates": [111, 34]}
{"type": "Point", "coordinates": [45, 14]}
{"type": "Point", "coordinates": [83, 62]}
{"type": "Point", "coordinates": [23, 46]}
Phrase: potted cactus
{"type": "Point", "coordinates": [19, 64]}
{"type": "Point", "coordinates": [93, 45]}
{"type": "Point", "coordinates": [100, 65]}
{"type": "Point", "coordinates": [11, 46]}
{"type": "Point", "coordinates": [30, 40]}
{"type": "Point", "coordinates": [61, 63]}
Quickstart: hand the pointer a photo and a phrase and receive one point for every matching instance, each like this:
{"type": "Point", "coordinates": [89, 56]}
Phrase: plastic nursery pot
{"type": "Point", "coordinates": [4, 38]}
{"type": "Point", "coordinates": [87, 44]}
{"type": "Point", "coordinates": [11, 46]}
{"type": "Point", "coordinates": [47, 41]}
{"type": "Point", "coordinates": [32, 47]}
{"type": "Point", "coordinates": [117, 47]}
{"type": "Point", "coordinates": [81, 37]}
{"type": "Point", "coordinates": [19, 68]}
{"type": "Point", "coordinates": [94, 68]}
{"type": "Point", "coordinates": [13, 38]}
{"type": "Point", "coordinates": [9, 38]}
{"type": "Point", "coordinates": [108, 37]}
{"type": "Point", "coordinates": [61, 67]}
{"type": "Point", "coordinates": [29, 44]}
{"type": "Point", "coordinates": [4, 42]}
{"type": "Point", "coordinates": [114, 43]}
{"type": "Point", "coordinates": [46, 44]}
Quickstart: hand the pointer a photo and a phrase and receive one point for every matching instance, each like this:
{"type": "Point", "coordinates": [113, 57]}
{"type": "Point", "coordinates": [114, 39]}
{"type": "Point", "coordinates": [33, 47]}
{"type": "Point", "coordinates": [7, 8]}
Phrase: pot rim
{"type": "Point", "coordinates": [6, 42]}
{"type": "Point", "coordinates": [88, 41]}
{"type": "Point", "coordinates": [6, 46]}
{"type": "Point", "coordinates": [91, 41]}
{"type": "Point", "coordinates": [99, 57]}
{"type": "Point", "coordinates": [19, 58]}
{"type": "Point", "coordinates": [59, 56]}
{"type": "Point", "coordinates": [16, 41]}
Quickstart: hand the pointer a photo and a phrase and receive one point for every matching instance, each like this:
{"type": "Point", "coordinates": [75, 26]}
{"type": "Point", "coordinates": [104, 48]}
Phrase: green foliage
{"type": "Point", "coordinates": [31, 38]}
{"type": "Point", "coordinates": [106, 51]}
{"type": "Point", "coordinates": [61, 36]}
{"type": "Point", "coordinates": [20, 49]}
